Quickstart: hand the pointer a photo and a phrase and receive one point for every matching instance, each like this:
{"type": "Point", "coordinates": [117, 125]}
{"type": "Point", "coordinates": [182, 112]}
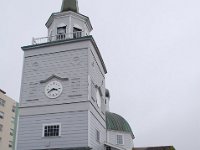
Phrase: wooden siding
{"type": "Point", "coordinates": [78, 113]}
{"type": "Point", "coordinates": [95, 124]}
{"type": "Point", "coordinates": [128, 141]}
{"type": "Point", "coordinates": [74, 131]}
{"type": "Point", "coordinates": [97, 77]}
{"type": "Point", "coordinates": [66, 64]}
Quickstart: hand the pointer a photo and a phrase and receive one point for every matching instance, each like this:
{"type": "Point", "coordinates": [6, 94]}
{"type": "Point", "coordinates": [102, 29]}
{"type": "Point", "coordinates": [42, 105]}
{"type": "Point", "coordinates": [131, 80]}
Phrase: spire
{"type": "Point", "coordinates": [70, 5]}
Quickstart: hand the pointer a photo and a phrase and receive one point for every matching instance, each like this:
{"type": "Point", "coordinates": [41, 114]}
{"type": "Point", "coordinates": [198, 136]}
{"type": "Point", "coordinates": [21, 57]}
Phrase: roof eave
{"type": "Point", "coordinates": [51, 18]}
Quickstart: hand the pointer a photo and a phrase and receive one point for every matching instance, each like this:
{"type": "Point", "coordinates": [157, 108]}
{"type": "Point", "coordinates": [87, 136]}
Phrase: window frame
{"type": "Point", "coordinates": [60, 28]}
{"type": "Point", "coordinates": [13, 108]}
{"type": "Point", "coordinates": [98, 136]}
{"type": "Point", "coordinates": [60, 35]}
{"type": "Point", "coordinates": [11, 132]}
{"type": "Point", "coordinates": [1, 127]}
{"type": "Point", "coordinates": [12, 120]}
{"type": "Point", "coordinates": [51, 124]}
{"type": "Point", "coordinates": [108, 148]}
{"type": "Point", "coordinates": [117, 140]}
{"type": "Point", "coordinates": [2, 102]}
{"type": "Point", "coordinates": [10, 144]}
{"type": "Point", "coordinates": [77, 32]}
{"type": "Point", "coordinates": [2, 115]}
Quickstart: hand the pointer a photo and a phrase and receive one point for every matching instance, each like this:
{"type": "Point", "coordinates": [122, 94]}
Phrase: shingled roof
{"type": "Point", "coordinates": [116, 122]}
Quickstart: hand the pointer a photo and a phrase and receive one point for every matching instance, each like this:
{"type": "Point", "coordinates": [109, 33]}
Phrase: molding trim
{"type": "Point", "coordinates": [54, 76]}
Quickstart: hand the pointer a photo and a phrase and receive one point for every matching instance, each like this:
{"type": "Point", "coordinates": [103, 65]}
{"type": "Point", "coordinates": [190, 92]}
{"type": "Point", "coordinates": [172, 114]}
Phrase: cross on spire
{"type": "Point", "coordinates": [70, 5]}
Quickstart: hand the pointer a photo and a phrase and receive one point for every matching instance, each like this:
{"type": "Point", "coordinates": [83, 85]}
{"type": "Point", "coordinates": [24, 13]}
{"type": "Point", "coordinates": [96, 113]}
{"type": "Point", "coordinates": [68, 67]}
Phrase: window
{"type": "Point", "coordinates": [97, 136]}
{"type": "Point", "coordinates": [13, 119]}
{"type": "Point", "coordinates": [1, 127]}
{"type": "Point", "coordinates": [108, 148]}
{"type": "Point", "coordinates": [1, 114]}
{"type": "Point", "coordinates": [13, 108]}
{"type": "Point", "coordinates": [2, 102]}
{"type": "Point", "coordinates": [61, 31]}
{"type": "Point", "coordinates": [120, 139]}
{"type": "Point", "coordinates": [77, 33]}
{"type": "Point", "coordinates": [98, 97]}
{"type": "Point", "coordinates": [52, 130]}
{"type": "Point", "coordinates": [10, 144]}
{"type": "Point", "coordinates": [11, 132]}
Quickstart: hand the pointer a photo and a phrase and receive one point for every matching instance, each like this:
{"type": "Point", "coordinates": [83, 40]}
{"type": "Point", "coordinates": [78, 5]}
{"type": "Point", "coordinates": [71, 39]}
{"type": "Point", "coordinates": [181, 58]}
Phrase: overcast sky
{"type": "Point", "coordinates": [152, 52]}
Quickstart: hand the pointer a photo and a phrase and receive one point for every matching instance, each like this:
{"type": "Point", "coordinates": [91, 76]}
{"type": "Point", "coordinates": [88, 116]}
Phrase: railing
{"type": "Point", "coordinates": [58, 37]}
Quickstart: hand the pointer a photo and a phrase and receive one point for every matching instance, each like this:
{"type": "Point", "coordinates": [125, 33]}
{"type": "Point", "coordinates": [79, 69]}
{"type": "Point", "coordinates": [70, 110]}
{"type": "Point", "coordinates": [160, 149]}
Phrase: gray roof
{"type": "Point", "coordinates": [156, 148]}
{"type": "Point", "coordinates": [70, 5]}
{"type": "Point", "coordinates": [75, 148]}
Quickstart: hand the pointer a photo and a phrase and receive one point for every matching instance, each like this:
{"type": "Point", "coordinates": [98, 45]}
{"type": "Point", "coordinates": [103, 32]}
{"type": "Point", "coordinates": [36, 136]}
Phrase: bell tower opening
{"type": "Point", "coordinates": [77, 33]}
{"type": "Point", "coordinates": [61, 32]}
{"type": "Point", "coordinates": [66, 24]}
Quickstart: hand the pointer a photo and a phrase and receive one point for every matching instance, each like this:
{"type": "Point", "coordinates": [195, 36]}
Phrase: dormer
{"type": "Point", "coordinates": [68, 23]}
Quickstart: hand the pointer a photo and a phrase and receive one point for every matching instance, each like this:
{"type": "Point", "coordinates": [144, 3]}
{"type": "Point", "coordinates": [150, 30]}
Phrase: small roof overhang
{"type": "Point", "coordinates": [75, 148]}
{"type": "Point", "coordinates": [114, 146]}
{"type": "Point", "coordinates": [69, 13]}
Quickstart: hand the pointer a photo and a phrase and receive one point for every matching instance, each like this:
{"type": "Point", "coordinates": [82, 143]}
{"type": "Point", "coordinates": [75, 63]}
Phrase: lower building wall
{"type": "Point", "coordinates": [74, 131]}
{"type": "Point", "coordinates": [94, 125]}
{"type": "Point", "coordinates": [127, 138]}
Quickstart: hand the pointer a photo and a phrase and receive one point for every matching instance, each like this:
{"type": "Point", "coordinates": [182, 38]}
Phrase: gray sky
{"type": "Point", "coordinates": [152, 52]}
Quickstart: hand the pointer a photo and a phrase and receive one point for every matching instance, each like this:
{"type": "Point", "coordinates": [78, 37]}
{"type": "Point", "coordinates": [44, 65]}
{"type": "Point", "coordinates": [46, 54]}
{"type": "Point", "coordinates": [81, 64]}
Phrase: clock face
{"type": "Point", "coordinates": [53, 89]}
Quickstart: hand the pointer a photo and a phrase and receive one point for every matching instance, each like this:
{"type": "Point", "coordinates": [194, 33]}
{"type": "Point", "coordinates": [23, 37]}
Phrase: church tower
{"type": "Point", "coordinates": [62, 103]}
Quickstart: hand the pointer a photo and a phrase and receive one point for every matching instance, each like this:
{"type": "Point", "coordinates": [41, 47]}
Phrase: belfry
{"type": "Point", "coordinates": [64, 103]}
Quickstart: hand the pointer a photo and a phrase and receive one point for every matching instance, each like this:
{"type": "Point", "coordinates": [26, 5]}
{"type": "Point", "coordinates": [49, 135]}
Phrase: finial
{"type": "Point", "coordinates": [70, 5]}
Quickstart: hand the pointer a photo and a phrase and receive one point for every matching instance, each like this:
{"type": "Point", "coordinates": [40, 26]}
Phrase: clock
{"type": "Point", "coordinates": [53, 89]}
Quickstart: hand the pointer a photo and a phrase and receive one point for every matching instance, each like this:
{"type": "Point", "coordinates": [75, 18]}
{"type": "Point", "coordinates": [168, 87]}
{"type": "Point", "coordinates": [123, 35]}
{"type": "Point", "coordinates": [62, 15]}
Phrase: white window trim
{"type": "Point", "coordinates": [61, 25]}
{"type": "Point", "coordinates": [122, 139]}
{"type": "Point", "coordinates": [51, 124]}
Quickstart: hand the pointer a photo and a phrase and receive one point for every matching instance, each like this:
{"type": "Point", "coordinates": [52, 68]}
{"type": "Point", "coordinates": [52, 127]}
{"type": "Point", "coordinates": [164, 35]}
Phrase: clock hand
{"type": "Point", "coordinates": [53, 89]}
{"type": "Point", "coordinates": [50, 90]}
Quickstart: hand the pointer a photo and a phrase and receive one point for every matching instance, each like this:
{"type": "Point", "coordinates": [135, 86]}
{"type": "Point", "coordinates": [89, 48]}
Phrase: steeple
{"type": "Point", "coordinates": [70, 5]}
